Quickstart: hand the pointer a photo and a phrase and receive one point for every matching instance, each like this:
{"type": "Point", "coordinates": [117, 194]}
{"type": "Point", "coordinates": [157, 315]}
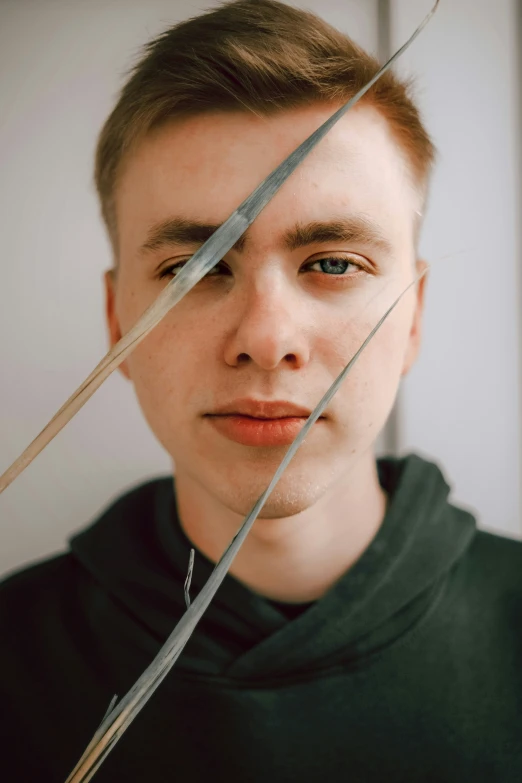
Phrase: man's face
{"type": "Point", "coordinates": [284, 312]}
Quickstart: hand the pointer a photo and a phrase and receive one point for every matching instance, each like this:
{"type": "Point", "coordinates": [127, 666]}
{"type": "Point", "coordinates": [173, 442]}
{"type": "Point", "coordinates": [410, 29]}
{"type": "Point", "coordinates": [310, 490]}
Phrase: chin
{"type": "Point", "coordinates": [290, 496]}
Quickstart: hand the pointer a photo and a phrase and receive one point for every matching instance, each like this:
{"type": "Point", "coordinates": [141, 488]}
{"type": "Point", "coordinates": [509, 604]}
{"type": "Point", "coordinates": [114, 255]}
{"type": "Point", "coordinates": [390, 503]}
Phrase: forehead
{"type": "Point", "coordinates": [203, 167]}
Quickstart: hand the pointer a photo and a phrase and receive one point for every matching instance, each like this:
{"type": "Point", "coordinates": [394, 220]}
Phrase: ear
{"type": "Point", "coordinates": [414, 339]}
{"type": "Point", "coordinates": [112, 319]}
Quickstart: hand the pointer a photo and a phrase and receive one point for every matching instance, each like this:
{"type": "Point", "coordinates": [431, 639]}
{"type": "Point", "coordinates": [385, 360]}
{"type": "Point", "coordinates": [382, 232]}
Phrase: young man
{"type": "Point", "coordinates": [366, 630]}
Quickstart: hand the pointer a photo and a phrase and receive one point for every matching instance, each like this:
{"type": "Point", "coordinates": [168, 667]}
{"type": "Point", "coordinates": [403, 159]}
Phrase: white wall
{"type": "Point", "coordinates": [461, 403]}
{"type": "Point", "coordinates": [61, 63]}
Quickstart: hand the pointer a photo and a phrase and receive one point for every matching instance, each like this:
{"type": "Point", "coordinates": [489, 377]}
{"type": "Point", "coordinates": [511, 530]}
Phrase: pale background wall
{"type": "Point", "coordinates": [462, 401]}
{"type": "Point", "coordinates": [61, 63]}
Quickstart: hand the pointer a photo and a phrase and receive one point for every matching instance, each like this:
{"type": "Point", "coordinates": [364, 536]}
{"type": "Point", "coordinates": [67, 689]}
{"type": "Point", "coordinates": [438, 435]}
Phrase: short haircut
{"type": "Point", "coordinates": [253, 55]}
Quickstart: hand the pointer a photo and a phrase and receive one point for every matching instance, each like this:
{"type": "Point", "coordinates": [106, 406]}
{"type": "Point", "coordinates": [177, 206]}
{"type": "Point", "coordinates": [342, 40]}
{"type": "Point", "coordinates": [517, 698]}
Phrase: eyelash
{"type": "Point", "coordinates": [344, 276]}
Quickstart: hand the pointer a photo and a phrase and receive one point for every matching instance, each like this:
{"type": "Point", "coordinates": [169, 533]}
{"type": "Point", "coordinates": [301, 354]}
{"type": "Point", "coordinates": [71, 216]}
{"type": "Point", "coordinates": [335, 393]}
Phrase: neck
{"type": "Point", "coordinates": [296, 559]}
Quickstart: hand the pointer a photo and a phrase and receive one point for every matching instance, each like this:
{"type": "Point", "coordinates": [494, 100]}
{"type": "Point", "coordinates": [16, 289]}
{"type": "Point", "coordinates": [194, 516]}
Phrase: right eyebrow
{"type": "Point", "coordinates": [180, 231]}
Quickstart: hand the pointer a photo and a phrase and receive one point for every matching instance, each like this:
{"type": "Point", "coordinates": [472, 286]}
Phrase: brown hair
{"type": "Point", "coordinates": [257, 55]}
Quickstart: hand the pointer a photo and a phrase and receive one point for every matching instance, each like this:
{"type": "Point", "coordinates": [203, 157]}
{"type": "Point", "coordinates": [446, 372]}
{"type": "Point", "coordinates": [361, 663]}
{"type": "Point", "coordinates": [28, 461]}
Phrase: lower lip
{"type": "Point", "coordinates": [259, 432]}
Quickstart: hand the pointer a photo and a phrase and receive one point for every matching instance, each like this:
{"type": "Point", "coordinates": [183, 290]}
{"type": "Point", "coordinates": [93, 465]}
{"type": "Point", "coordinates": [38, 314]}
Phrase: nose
{"type": "Point", "coordinates": [269, 328]}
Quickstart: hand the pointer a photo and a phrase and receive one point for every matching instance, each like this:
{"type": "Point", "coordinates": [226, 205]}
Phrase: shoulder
{"type": "Point", "coordinates": [42, 573]}
{"type": "Point", "coordinates": [24, 593]}
{"type": "Point", "coordinates": [497, 553]}
{"type": "Point", "coordinates": [492, 572]}
{"type": "Point", "coordinates": [39, 605]}
{"type": "Point", "coordinates": [46, 670]}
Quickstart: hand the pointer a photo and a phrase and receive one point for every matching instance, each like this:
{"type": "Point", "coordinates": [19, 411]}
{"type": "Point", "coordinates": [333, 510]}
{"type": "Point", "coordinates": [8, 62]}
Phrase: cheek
{"type": "Point", "coordinates": [174, 370]}
{"type": "Point", "coordinates": [372, 382]}
{"type": "Point", "coordinates": [339, 336]}
{"type": "Point", "coordinates": [170, 357]}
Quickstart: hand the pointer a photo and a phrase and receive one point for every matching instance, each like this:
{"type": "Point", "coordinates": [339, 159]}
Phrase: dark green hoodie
{"type": "Point", "coordinates": [408, 669]}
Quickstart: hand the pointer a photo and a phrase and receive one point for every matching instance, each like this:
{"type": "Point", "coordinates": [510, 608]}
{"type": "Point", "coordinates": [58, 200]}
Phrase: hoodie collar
{"type": "Point", "coordinates": [139, 555]}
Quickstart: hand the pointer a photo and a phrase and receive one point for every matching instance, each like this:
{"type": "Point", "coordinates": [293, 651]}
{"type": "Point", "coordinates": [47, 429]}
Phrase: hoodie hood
{"type": "Point", "coordinates": [138, 555]}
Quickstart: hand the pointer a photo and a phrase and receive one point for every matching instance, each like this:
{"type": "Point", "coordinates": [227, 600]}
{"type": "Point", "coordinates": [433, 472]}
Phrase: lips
{"type": "Point", "coordinates": [260, 422]}
{"type": "Point", "coordinates": [262, 409]}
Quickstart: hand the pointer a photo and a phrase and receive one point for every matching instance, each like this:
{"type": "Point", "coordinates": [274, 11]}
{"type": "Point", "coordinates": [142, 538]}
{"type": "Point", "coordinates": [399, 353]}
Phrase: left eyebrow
{"type": "Point", "coordinates": [355, 228]}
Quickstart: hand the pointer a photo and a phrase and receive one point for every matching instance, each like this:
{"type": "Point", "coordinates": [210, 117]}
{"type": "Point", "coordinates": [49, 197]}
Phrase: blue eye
{"type": "Point", "coordinates": [334, 266]}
